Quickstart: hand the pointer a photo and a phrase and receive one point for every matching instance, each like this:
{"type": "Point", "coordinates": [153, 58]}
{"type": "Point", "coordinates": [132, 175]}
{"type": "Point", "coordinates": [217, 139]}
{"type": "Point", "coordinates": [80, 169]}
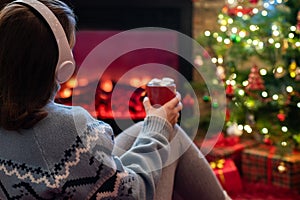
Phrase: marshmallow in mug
{"type": "Point", "coordinates": [162, 82]}
{"type": "Point", "coordinates": [161, 91]}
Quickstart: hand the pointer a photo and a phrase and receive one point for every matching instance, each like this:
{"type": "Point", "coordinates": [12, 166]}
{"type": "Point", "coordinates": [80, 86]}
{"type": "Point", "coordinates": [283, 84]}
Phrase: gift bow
{"type": "Point", "coordinates": [218, 164]}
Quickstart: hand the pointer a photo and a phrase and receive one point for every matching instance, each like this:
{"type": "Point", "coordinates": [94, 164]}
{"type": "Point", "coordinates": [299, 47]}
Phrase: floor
{"type": "Point", "coordinates": [259, 191]}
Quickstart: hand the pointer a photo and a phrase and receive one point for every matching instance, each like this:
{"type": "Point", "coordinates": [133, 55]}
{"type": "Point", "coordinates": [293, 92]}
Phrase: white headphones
{"type": "Point", "coordinates": [66, 65]}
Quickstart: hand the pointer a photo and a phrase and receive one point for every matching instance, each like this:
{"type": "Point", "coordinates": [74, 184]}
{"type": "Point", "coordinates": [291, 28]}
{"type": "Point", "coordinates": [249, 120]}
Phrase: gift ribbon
{"type": "Point", "coordinates": [221, 176]}
{"type": "Point", "coordinates": [269, 164]}
{"type": "Point", "coordinates": [219, 164]}
{"type": "Point", "coordinates": [223, 141]}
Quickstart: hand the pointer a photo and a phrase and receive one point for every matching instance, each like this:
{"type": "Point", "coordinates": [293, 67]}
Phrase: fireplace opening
{"type": "Point", "coordinates": [114, 91]}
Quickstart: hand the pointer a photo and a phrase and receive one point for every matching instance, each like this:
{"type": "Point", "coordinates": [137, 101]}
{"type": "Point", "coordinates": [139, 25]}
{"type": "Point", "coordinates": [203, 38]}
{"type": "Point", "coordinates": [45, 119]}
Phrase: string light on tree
{"type": "Point", "coordinates": [263, 72]}
{"type": "Point", "coordinates": [259, 43]}
{"type": "Point", "coordinates": [241, 92]}
{"type": "Point", "coordinates": [284, 143]}
{"type": "Point", "coordinates": [279, 71]}
{"type": "Point", "coordinates": [289, 89]}
{"type": "Point", "coordinates": [227, 41]}
{"type": "Point", "coordinates": [275, 97]}
{"type": "Point", "coordinates": [264, 94]}
{"type": "Point", "coordinates": [277, 45]}
{"type": "Point", "coordinates": [248, 128]}
{"type": "Point", "coordinates": [265, 131]}
{"type": "Point", "coordinates": [264, 13]}
{"type": "Point", "coordinates": [291, 35]}
{"type": "Point", "coordinates": [245, 83]}
{"type": "Point", "coordinates": [284, 129]}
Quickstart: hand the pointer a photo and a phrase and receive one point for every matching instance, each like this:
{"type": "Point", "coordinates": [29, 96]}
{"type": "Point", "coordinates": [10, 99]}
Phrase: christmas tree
{"type": "Point", "coordinates": [257, 53]}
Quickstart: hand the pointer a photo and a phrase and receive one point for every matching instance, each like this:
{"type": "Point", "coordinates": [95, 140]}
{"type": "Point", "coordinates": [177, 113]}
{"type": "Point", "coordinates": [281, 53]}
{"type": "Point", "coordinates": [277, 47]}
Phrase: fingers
{"type": "Point", "coordinates": [175, 102]}
{"type": "Point", "coordinates": [178, 95]}
{"type": "Point", "coordinates": [146, 103]}
{"type": "Point", "coordinates": [169, 111]}
{"type": "Point", "coordinates": [179, 106]}
{"type": "Point", "coordinates": [174, 118]}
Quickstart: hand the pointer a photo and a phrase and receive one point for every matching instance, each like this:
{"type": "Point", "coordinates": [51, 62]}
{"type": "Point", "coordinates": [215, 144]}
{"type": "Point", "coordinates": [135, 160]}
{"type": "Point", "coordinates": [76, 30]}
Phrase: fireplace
{"type": "Point", "coordinates": [119, 89]}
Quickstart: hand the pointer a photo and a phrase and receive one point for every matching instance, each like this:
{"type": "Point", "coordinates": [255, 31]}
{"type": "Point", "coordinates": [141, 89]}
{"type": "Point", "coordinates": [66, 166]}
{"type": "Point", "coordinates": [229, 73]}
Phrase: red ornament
{"type": "Point", "coordinates": [188, 103]}
{"type": "Point", "coordinates": [298, 23]}
{"type": "Point", "coordinates": [256, 83]}
{"type": "Point", "coordinates": [188, 100]}
{"type": "Point", "coordinates": [281, 116]}
{"type": "Point", "coordinates": [267, 141]}
{"type": "Point", "coordinates": [229, 90]}
{"type": "Point", "coordinates": [227, 114]}
{"type": "Point", "coordinates": [243, 7]}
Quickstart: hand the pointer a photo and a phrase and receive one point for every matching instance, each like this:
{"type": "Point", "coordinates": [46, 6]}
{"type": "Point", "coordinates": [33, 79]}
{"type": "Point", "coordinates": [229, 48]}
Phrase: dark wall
{"type": "Point", "coordinates": [128, 14]}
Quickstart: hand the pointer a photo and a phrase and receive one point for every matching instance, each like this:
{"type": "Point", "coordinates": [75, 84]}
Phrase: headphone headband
{"type": "Point", "coordinates": [66, 65]}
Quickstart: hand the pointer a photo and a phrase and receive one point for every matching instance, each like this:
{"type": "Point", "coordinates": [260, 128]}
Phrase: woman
{"type": "Point", "coordinates": [51, 151]}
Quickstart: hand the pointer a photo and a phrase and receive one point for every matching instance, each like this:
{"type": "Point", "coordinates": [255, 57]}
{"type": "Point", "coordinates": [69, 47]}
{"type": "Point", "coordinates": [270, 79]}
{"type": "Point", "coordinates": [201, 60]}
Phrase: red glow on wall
{"type": "Point", "coordinates": [123, 72]}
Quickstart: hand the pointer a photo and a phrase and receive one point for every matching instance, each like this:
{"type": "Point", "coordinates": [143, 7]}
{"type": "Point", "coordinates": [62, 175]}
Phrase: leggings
{"type": "Point", "coordinates": [186, 175]}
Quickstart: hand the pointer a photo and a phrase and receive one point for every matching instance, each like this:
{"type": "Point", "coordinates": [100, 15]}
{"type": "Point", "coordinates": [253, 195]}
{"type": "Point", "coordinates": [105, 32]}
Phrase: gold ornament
{"type": "Point", "coordinates": [292, 69]}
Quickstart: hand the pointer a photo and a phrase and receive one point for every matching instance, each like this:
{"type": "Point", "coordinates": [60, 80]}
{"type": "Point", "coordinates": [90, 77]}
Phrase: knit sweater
{"type": "Point", "coordinates": [68, 155]}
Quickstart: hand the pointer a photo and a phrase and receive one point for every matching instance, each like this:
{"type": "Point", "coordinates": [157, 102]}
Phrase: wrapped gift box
{"type": "Point", "coordinates": [264, 164]}
{"type": "Point", "coordinates": [226, 147]}
{"type": "Point", "coordinates": [228, 175]}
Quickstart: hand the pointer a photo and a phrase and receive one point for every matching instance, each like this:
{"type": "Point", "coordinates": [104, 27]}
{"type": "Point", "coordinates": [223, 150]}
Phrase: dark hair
{"type": "Point", "coordinates": [28, 58]}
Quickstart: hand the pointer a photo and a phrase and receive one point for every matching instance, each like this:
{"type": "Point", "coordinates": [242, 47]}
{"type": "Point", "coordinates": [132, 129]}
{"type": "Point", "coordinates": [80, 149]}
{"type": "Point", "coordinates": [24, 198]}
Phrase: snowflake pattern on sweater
{"type": "Point", "coordinates": [71, 162]}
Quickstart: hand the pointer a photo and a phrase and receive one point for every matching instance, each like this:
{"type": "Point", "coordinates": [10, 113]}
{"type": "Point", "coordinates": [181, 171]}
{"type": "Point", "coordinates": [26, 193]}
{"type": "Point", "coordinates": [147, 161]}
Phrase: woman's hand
{"type": "Point", "coordinates": [169, 111]}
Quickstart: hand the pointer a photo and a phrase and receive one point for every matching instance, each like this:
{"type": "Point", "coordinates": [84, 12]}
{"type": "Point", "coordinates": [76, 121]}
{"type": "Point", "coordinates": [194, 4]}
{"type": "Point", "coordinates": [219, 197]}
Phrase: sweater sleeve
{"type": "Point", "coordinates": [145, 159]}
{"type": "Point", "coordinates": [135, 174]}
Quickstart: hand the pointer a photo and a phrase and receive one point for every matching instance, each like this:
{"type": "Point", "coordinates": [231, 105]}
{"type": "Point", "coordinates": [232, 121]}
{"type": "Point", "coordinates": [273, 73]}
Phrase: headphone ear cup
{"type": "Point", "coordinates": [65, 65]}
{"type": "Point", "coordinates": [65, 71]}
